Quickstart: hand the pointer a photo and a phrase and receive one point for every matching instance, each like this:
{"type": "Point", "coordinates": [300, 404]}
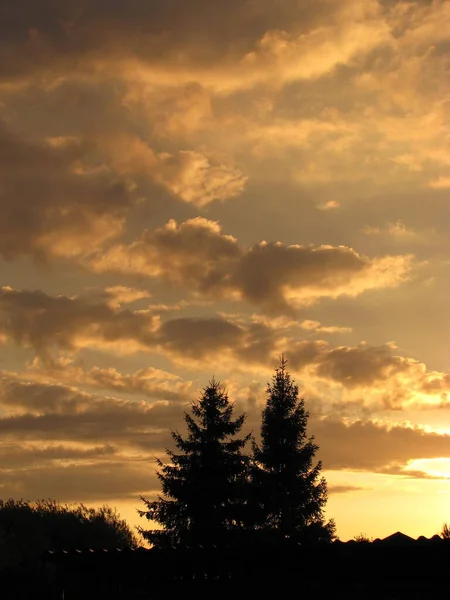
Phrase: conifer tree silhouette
{"type": "Point", "coordinates": [204, 486]}
{"type": "Point", "coordinates": [289, 494]}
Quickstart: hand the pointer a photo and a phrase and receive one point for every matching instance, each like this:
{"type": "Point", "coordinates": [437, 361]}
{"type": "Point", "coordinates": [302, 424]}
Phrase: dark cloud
{"type": "Point", "coordinates": [274, 276]}
{"type": "Point", "coordinates": [50, 325]}
{"type": "Point", "coordinates": [53, 324]}
{"type": "Point", "coordinates": [71, 107]}
{"type": "Point", "coordinates": [175, 252]}
{"type": "Point", "coordinates": [195, 338]}
{"type": "Point", "coordinates": [104, 481]}
{"type": "Point", "coordinates": [352, 367]}
{"type": "Point", "coordinates": [326, 118]}
{"type": "Point", "coordinates": [344, 489]}
{"type": "Point", "coordinates": [306, 352]}
{"type": "Point", "coordinates": [72, 167]}
{"type": "Point", "coordinates": [42, 322]}
{"type": "Point", "coordinates": [56, 440]}
{"type": "Point", "coordinates": [14, 457]}
{"type": "Point", "coordinates": [60, 442]}
{"type": "Point", "coordinates": [82, 418]}
{"type": "Point", "coordinates": [436, 383]}
{"type": "Point", "coordinates": [70, 192]}
{"type": "Point", "coordinates": [369, 446]}
{"type": "Point", "coordinates": [258, 344]}
{"type": "Point", "coordinates": [408, 473]}
{"type": "Point", "coordinates": [137, 429]}
{"type": "Point", "coordinates": [48, 206]}
{"type": "Point", "coordinates": [57, 412]}
{"type": "Point", "coordinates": [362, 366]}
{"type": "Point", "coordinates": [47, 34]}
{"type": "Point", "coordinates": [266, 270]}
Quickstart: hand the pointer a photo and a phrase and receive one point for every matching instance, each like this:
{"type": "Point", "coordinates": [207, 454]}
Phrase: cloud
{"type": "Point", "coordinates": [174, 251]}
{"type": "Point", "coordinates": [440, 183]}
{"type": "Point", "coordinates": [194, 82]}
{"type": "Point", "coordinates": [104, 481]}
{"type": "Point", "coordinates": [188, 174]}
{"type": "Point", "coordinates": [344, 489]}
{"type": "Point", "coordinates": [194, 179]}
{"type": "Point", "coordinates": [54, 325]}
{"type": "Point", "coordinates": [400, 232]}
{"type": "Point", "coordinates": [48, 208]}
{"type": "Point", "coordinates": [43, 322]}
{"type": "Point", "coordinates": [59, 413]}
{"type": "Point", "coordinates": [56, 427]}
{"type": "Point", "coordinates": [317, 327]}
{"type": "Point", "coordinates": [121, 294]}
{"type": "Point", "coordinates": [362, 365]}
{"type": "Point", "coordinates": [126, 126]}
{"type": "Point", "coordinates": [57, 326]}
{"type": "Point", "coordinates": [330, 205]}
{"type": "Point", "coordinates": [197, 338]}
{"type": "Point", "coordinates": [66, 193]}
{"type": "Point", "coordinates": [59, 441]}
{"type": "Point", "coordinates": [386, 123]}
{"type": "Point", "coordinates": [321, 49]}
{"type": "Point", "coordinates": [176, 41]}
{"type": "Point", "coordinates": [365, 377]}
{"type": "Point", "coordinates": [57, 432]}
{"type": "Point", "coordinates": [31, 455]}
{"type": "Point", "coordinates": [436, 382]}
{"type": "Point", "coordinates": [289, 324]}
{"type": "Point", "coordinates": [149, 382]}
{"type": "Point", "coordinates": [274, 276]}
{"type": "Point", "coordinates": [378, 447]}
{"type": "Point", "coordinates": [407, 473]}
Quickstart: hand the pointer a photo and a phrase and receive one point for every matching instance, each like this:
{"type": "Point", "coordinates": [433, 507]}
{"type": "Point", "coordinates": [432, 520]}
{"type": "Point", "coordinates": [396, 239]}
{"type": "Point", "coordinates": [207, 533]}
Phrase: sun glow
{"type": "Point", "coordinates": [433, 467]}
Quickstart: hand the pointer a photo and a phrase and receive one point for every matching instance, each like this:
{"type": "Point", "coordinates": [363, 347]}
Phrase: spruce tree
{"type": "Point", "coordinates": [289, 494]}
{"type": "Point", "coordinates": [204, 485]}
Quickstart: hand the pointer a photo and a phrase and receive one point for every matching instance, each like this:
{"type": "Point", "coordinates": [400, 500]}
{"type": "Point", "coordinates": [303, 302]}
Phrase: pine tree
{"type": "Point", "coordinates": [204, 484]}
{"type": "Point", "coordinates": [289, 494]}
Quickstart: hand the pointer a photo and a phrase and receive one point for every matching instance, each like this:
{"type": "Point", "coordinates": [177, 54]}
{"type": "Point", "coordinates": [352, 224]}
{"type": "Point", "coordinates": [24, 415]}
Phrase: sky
{"type": "Point", "coordinates": [191, 189]}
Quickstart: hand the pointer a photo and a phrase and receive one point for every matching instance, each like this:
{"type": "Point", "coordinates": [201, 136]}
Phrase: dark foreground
{"type": "Point", "coordinates": [394, 568]}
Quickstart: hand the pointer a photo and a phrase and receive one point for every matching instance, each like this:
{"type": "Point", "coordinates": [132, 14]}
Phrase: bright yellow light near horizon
{"type": "Point", "coordinates": [435, 467]}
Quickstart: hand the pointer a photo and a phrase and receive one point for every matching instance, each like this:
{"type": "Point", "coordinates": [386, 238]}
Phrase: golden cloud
{"type": "Point", "coordinates": [188, 174]}
{"type": "Point", "coordinates": [271, 275]}
{"type": "Point", "coordinates": [54, 327]}
{"type": "Point", "coordinates": [149, 382]}
{"type": "Point", "coordinates": [55, 427]}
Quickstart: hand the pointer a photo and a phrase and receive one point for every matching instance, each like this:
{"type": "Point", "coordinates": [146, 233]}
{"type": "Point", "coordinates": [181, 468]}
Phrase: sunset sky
{"type": "Point", "coordinates": [189, 189]}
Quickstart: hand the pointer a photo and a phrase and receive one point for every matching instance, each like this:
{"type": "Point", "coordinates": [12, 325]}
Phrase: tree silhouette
{"type": "Point", "coordinates": [289, 495]}
{"type": "Point", "coordinates": [29, 528]}
{"type": "Point", "coordinates": [204, 487]}
{"type": "Point", "coordinates": [445, 533]}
